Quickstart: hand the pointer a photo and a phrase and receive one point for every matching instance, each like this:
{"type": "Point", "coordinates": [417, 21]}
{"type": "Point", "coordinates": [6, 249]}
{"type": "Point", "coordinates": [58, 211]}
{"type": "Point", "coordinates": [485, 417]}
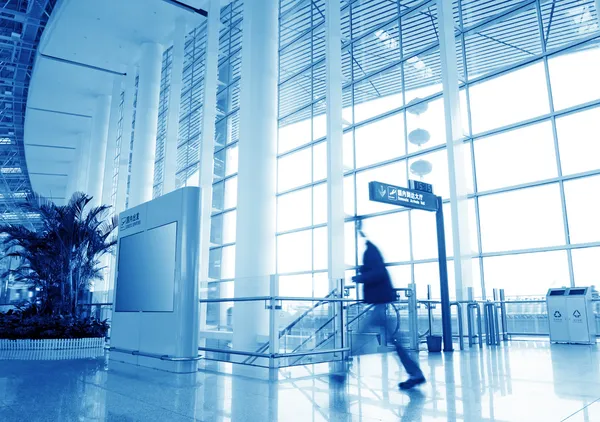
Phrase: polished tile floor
{"type": "Point", "coordinates": [518, 381]}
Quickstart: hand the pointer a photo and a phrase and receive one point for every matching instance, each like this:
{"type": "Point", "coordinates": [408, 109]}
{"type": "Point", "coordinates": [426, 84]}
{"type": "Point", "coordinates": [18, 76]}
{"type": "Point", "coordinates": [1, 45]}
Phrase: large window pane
{"type": "Point", "coordinates": [295, 131]}
{"type": "Point", "coordinates": [294, 170]}
{"type": "Point", "coordinates": [579, 141]}
{"type": "Point", "coordinates": [390, 233]}
{"type": "Point", "coordinates": [379, 141]}
{"type": "Point", "coordinates": [574, 76]}
{"type": "Point", "coordinates": [320, 204]}
{"type": "Point", "coordinates": [320, 162]}
{"type": "Point", "coordinates": [300, 285]}
{"type": "Point", "coordinates": [585, 266]}
{"type": "Point", "coordinates": [320, 254]}
{"type": "Point", "coordinates": [429, 274]}
{"type": "Point", "coordinates": [394, 174]}
{"type": "Point", "coordinates": [228, 262]}
{"type": "Point", "coordinates": [376, 95]}
{"type": "Point", "coordinates": [400, 275]}
{"type": "Point", "coordinates": [521, 219]}
{"type": "Point", "coordinates": [348, 151]}
{"type": "Point", "coordinates": [510, 98]}
{"type": "Point", "coordinates": [294, 252]}
{"type": "Point", "coordinates": [516, 157]}
{"type": "Point", "coordinates": [424, 232]}
{"type": "Point", "coordinates": [294, 210]}
{"type": "Point", "coordinates": [584, 224]}
{"type": "Point", "coordinates": [231, 193]}
{"type": "Point", "coordinates": [349, 195]}
{"type": "Point", "coordinates": [526, 274]}
{"type": "Point", "coordinates": [229, 227]}
{"type": "Point", "coordinates": [349, 244]}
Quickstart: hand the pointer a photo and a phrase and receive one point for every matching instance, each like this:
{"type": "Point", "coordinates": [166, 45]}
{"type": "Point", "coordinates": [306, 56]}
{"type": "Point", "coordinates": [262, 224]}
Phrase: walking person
{"type": "Point", "coordinates": [378, 291]}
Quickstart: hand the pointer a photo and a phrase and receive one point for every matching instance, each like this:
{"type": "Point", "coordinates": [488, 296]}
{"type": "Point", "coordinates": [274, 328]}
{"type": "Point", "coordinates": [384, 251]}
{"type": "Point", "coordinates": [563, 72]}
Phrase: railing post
{"type": "Point", "coordinates": [413, 320]}
{"type": "Point", "coordinates": [496, 324]}
{"type": "Point", "coordinates": [504, 317]}
{"type": "Point", "coordinates": [429, 313]}
{"type": "Point", "coordinates": [273, 322]}
{"type": "Point", "coordinates": [459, 316]}
{"type": "Point", "coordinates": [343, 328]}
{"type": "Point", "coordinates": [479, 327]}
{"type": "Point", "coordinates": [470, 325]}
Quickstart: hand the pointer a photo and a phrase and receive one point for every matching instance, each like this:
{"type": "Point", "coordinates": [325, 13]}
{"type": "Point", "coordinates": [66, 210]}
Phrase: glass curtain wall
{"type": "Point", "coordinates": [302, 161]}
{"type": "Point", "coordinates": [532, 97]}
{"type": "Point", "coordinates": [223, 222]}
{"type": "Point", "coordinates": [118, 141]}
{"type": "Point", "coordinates": [163, 116]}
{"type": "Point", "coordinates": [132, 134]}
{"type": "Point", "coordinates": [530, 105]}
{"type": "Point", "coordinates": [191, 108]}
{"type": "Point", "coordinates": [391, 90]}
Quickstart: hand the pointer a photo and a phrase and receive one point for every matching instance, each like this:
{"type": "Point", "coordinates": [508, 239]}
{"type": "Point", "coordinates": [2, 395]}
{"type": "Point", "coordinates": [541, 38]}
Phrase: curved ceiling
{"type": "Point", "coordinates": [85, 46]}
{"type": "Point", "coordinates": [21, 26]}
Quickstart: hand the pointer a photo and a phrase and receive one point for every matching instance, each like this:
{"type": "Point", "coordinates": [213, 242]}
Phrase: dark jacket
{"type": "Point", "coordinates": [377, 285]}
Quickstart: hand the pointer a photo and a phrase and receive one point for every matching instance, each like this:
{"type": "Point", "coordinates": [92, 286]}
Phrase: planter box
{"type": "Point", "coordinates": [53, 344]}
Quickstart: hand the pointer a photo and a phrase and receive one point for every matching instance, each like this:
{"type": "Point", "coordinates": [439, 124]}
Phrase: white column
{"type": "Point", "coordinates": [84, 163]}
{"type": "Point", "coordinates": [98, 149]}
{"type": "Point", "coordinates": [208, 141]}
{"type": "Point", "coordinates": [170, 167]}
{"type": "Point", "coordinates": [74, 174]}
{"type": "Point", "coordinates": [111, 146]}
{"type": "Point", "coordinates": [146, 121]}
{"type": "Point", "coordinates": [335, 163]}
{"type": "Point", "coordinates": [255, 243]}
{"type": "Point", "coordinates": [456, 151]}
{"type": "Point", "coordinates": [125, 139]}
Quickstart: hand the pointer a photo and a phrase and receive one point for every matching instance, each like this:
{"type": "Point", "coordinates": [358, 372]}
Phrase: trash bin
{"type": "Point", "coordinates": [434, 344]}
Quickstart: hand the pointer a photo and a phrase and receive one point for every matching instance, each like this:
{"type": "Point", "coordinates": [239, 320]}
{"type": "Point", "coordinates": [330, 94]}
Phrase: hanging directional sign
{"type": "Point", "coordinates": [395, 195]}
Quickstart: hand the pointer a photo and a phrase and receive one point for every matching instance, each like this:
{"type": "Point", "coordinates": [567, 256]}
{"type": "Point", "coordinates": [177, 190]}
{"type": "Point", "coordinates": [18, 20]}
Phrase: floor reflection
{"type": "Point", "coordinates": [518, 381]}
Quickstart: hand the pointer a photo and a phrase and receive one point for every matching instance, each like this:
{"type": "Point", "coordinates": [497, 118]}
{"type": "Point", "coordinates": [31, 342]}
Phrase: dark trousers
{"type": "Point", "coordinates": [377, 321]}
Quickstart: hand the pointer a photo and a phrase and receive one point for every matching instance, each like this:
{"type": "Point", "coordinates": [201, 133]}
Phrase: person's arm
{"type": "Point", "coordinates": [369, 276]}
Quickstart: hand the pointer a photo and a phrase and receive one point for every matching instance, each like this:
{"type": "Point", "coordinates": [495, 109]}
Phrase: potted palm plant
{"type": "Point", "coordinates": [61, 260]}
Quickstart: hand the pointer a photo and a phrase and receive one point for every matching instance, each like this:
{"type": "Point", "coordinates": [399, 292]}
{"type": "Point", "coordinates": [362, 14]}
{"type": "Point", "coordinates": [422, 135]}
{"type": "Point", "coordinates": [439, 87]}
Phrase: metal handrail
{"type": "Point", "coordinates": [459, 312]}
{"type": "Point", "coordinates": [470, 306]}
{"type": "Point", "coordinates": [265, 346]}
{"type": "Point", "coordinates": [155, 356]}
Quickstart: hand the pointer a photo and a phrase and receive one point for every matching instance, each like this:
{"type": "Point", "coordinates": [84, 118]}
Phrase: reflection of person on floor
{"type": "Point", "coordinates": [414, 411]}
{"type": "Point", "coordinates": [378, 290]}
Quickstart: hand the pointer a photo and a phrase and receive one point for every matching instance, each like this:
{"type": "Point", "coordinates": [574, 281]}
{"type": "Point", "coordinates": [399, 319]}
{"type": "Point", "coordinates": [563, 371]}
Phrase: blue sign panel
{"type": "Point", "coordinates": [395, 195]}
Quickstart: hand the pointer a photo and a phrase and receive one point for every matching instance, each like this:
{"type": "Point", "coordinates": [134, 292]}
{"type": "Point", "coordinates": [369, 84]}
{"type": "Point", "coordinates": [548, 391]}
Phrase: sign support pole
{"type": "Point", "coordinates": [444, 290]}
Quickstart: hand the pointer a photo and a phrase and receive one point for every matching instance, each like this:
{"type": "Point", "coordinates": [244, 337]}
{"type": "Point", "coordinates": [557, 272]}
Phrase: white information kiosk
{"type": "Point", "coordinates": [155, 320]}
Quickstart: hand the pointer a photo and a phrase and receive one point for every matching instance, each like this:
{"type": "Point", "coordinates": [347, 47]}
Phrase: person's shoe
{"type": "Point", "coordinates": [412, 382]}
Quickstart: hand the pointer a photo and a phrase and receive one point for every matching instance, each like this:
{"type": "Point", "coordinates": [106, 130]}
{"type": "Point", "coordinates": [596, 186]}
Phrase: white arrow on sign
{"type": "Point", "coordinates": [382, 191]}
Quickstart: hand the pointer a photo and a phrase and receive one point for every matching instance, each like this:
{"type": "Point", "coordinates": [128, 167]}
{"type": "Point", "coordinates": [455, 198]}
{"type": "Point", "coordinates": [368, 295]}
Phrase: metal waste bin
{"type": "Point", "coordinates": [582, 321]}
{"type": "Point", "coordinates": [571, 315]}
{"type": "Point", "coordinates": [556, 302]}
